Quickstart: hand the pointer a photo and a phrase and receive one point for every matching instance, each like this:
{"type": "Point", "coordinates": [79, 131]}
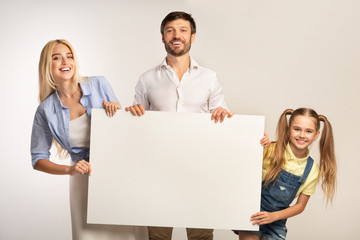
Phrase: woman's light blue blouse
{"type": "Point", "coordinates": [52, 119]}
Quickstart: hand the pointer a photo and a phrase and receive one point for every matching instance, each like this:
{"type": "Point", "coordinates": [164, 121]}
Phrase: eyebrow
{"type": "Point", "coordinates": [60, 54]}
{"type": "Point", "coordinates": [294, 126]}
{"type": "Point", "coordinates": [178, 27]}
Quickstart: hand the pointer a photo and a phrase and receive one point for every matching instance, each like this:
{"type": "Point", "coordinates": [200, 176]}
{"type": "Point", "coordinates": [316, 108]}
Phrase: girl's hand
{"type": "Point", "coordinates": [81, 167]}
{"type": "Point", "coordinates": [220, 113]}
{"type": "Point", "coordinates": [136, 110]}
{"type": "Point", "coordinates": [262, 218]}
{"type": "Point", "coordinates": [111, 107]}
{"type": "Point", "coordinates": [264, 141]}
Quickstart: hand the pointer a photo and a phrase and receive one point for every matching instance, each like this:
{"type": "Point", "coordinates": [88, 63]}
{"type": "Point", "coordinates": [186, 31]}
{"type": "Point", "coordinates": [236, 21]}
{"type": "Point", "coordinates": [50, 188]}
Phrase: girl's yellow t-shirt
{"type": "Point", "coordinates": [295, 166]}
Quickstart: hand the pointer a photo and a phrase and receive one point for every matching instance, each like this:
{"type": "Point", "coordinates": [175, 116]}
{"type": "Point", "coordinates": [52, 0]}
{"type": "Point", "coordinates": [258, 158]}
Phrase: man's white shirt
{"type": "Point", "coordinates": [199, 91]}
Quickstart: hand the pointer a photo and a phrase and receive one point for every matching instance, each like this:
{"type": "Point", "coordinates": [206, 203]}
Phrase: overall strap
{"type": "Point", "coordinates": [307, 170]}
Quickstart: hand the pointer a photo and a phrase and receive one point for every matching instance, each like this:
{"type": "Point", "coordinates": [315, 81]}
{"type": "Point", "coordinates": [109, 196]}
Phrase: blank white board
{"type": "Point", "coordinates": [175, 169]}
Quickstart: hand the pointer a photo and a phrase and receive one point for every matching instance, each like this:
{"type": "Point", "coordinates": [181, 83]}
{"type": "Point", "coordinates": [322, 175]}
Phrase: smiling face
{"type": "Point", "coordinates": [303, 133]}
{"type": "Point", "coordinates": [62, 64]}
{"type": "Point", "coordinates": [177, 37]}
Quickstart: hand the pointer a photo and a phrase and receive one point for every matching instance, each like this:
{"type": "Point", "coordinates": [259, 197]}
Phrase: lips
{"type": "Point", "coordinates": [65, 69]}
{"type": "Point", "coordinates": [300, 141]}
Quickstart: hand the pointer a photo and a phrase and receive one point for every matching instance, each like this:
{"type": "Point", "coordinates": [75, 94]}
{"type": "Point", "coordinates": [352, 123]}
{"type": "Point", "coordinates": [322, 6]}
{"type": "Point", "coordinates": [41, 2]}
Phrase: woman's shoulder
{"type": "Point", "coordinates": [47, 103]}
{"type": "Point", "coordinates": [92, 79]}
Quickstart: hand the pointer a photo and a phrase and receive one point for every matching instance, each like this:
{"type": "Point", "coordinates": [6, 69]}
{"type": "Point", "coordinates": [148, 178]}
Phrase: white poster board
{"type": "Point", "coordinates": [175, 169]}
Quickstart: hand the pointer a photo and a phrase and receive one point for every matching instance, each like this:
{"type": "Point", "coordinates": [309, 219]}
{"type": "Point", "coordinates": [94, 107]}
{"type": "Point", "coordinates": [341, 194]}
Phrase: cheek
{"type": "Point", "coordinates": [313, 136]}
{"type": "Point", "coordinates": [53, 68]}
{"type": "Point", "coordinates": [292, 134]}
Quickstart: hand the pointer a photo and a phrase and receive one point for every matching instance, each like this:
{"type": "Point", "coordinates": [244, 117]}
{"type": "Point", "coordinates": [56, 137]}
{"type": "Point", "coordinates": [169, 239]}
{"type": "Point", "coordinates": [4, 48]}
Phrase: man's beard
{"type": "Point", "coordinates": [185, 50]}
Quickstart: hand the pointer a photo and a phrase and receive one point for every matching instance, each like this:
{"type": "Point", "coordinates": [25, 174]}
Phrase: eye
{"type": "Point", "coordinates": [309, 131]}
{"type": "Point", "coordinates": [70, 57]}
{"type": "Point", "coordinates": [56, 58]}
{"type": "Point", "coordinates": [296, 129]}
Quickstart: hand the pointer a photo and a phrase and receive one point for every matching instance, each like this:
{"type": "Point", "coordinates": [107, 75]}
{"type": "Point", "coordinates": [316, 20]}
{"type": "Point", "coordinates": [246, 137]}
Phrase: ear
{"type": "Point", "coordinates": [317, 134]}
{"type": "Point", "coordinates": [193, 37]}
{"type": "Point", "coordinates": [162, 38]}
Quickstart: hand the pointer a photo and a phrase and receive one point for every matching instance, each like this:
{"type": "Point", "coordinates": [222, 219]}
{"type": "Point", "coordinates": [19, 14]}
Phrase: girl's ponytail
{"type": "Point", "coordinates": [277, 157]}
{"type": "Point", "coordinates": [327, 164]}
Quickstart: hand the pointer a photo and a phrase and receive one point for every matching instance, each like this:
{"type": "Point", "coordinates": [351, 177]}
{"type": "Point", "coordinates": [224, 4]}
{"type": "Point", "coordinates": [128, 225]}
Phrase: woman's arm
{"type": "Point", "coordinates": [47, 166]}
{"type": "Point", "coordinates": [261, 218]}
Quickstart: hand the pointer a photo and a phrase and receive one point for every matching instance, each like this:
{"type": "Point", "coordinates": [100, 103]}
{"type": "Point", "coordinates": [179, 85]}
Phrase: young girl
{"type": "Point", "coordinates": [289, 172]}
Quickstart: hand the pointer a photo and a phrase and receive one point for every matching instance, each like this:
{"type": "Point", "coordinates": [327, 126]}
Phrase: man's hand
{"type": "Point", "coordinates": [136, 110]}
{"type": "Point", "coordinates": [220, 114]}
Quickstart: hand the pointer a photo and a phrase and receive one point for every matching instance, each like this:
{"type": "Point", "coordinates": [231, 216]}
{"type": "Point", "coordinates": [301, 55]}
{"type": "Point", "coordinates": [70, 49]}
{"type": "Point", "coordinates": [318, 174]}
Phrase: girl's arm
{"type": "Point", "coordinates": [47, 166]}
{"type": "Point", "coordinates": [264, 141]}
{"type": "Point", "coordinates": [261, 218]}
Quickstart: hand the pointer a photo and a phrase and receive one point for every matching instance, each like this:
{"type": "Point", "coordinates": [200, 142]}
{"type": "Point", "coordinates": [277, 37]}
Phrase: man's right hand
{"type": "Point", "coordinates": [136, 110]}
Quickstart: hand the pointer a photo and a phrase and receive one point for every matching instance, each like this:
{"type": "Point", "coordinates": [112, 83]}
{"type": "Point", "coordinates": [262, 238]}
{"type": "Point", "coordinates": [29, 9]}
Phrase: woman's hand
{"type": "Point", "coordinates": [262, 218]}
{"type": "Point", "coordinates": [81, 167]}
{"type": "Point", "coordinates": [136, 110]}
{"type": "Point", "coordinates": [220, 113]}
{"type": "Point", "coordinates": [111, 107]}
{"type": "Point", "coordinates": [264, 141]}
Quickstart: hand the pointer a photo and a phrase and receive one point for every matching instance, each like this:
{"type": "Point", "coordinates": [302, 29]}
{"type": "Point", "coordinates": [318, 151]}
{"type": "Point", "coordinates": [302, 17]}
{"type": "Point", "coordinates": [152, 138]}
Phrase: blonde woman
{"type": "Point", "coordinates": [63, 117]}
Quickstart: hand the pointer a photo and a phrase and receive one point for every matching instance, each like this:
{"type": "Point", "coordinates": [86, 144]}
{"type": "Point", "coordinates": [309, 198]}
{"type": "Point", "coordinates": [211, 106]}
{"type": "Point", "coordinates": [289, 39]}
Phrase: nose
{"type": "Point", "coordinates": [302, 134]}
{"type": "Point", "coordinates": [64, 61]}
{"type": "Point", "coordinates": [176, 33]}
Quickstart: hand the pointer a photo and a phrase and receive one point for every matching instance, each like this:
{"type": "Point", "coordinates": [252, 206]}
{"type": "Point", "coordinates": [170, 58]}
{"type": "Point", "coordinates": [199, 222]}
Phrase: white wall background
{"type": "Point", "coordinates": [269, 55]}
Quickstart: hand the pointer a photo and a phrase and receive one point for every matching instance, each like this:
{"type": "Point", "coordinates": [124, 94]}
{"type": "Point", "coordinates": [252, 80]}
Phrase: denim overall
{"type": "Point", "coordinates": [277, 196]}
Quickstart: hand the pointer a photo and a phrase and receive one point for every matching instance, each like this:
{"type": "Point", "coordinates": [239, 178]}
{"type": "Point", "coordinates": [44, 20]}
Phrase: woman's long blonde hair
{"type": "Point", "coordinates": [327, 163]}
{"type": "Point", "coordinates": [47, 84]}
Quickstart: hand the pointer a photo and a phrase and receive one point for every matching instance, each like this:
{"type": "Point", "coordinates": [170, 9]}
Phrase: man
{"type": "Point", "coordinates": [179, 84]}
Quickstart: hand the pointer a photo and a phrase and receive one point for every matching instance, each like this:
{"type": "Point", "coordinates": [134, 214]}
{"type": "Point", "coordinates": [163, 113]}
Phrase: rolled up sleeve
{"type": "Point", "coordinates": [41, 138]}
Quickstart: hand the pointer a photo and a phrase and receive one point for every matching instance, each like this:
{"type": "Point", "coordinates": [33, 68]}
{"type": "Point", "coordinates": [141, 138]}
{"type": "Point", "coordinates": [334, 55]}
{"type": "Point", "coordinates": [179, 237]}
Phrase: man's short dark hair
{"type": "Point", "coordinates": [178, 15]}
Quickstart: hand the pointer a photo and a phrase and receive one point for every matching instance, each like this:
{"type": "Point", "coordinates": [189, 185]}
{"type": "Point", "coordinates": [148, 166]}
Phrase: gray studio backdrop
{"type": "Point", "coordinates": [269, 55]}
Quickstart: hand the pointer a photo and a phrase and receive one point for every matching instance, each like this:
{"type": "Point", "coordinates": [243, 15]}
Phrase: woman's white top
{"type": "Point", "coordinates": [80, 131]}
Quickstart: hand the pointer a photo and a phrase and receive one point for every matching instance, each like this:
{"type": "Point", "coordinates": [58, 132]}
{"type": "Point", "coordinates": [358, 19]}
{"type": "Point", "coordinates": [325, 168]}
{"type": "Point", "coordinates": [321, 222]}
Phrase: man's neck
{"type": "Point", "coordinates": [179, 63]}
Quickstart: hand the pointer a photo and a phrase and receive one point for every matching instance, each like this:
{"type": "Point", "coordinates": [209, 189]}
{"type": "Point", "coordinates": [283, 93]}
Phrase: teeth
{"type": "Point", "coordinates": [65, 69]}
{"type": "Point", "coordinates": [177, 43]}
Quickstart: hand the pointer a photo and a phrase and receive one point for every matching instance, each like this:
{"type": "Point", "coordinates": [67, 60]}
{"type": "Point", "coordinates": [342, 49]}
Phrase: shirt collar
{"type": "Point", "coordinates": [290, 155]}
{"type": "Point", "coordinates": [85, 92]}
{"type": "Point", "coordinates": [57, 103]}
{"type": "Point", "coordinates": [193, 64]}
{"type": "Point", "coordinates": [85, 88]}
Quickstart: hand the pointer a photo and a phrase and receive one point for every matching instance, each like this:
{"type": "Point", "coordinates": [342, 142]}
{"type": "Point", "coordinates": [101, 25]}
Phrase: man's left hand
{"type": "Point", "coordinates": [220, 114]}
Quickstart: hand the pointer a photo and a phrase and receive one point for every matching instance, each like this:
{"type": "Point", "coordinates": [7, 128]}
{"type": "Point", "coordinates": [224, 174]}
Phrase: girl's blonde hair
{"type": "Point", "coordinates": [47, 84]}
{"type": "Point", "coordinates": [327, 150]}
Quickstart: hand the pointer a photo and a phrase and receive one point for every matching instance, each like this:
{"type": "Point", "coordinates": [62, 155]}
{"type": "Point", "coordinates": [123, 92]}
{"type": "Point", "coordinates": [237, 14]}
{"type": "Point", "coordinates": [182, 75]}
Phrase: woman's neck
{"type": "Point", "coordinates": [68, 90]}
